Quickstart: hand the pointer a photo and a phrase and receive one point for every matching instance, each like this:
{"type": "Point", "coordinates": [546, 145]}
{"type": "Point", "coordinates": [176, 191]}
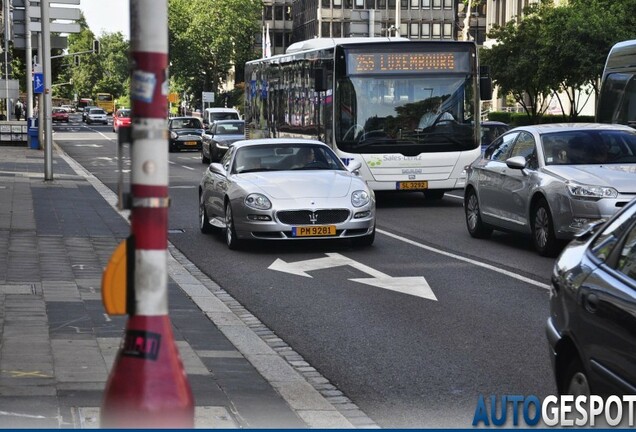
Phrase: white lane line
{"type": "Point", "coordinates": [468, 260]}
{"type": "Point", "coordinates": [187, 167]}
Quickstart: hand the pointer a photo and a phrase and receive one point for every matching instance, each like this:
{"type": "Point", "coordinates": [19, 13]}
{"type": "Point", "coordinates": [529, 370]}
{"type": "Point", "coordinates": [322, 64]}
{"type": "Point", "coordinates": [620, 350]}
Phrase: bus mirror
{"type": "Point", "coordinates": [320, 79]}
{"type": "Point", "coordinates": [485, 83]}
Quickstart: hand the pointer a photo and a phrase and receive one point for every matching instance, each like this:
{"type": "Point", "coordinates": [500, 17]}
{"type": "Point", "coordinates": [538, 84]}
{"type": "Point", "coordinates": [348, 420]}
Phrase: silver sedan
{"type": "Point", "coordinates": [550, 181]}
{"type": "Point", "coordinates": [285, 189]}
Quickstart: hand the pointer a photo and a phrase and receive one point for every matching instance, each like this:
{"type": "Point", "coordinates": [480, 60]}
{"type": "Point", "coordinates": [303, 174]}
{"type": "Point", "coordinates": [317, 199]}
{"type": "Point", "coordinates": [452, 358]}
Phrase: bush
{"type": "Point", "coordinates": [522, 119]}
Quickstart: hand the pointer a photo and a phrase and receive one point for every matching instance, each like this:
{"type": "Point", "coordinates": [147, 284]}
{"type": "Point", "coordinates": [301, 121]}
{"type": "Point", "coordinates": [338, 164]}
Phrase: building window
{"type": "Point", "coordinates": [448, 31]}
{"type": "Point", "coordinates": [426, 31]}
{"type": "Point", "coordinates": [336, 29]}
{"type": "Point", "coordinates": [448, 4]}
{"type": "Point", "coordinates": [288, 13]}
{"type": "Point", "coordinates": [381, 4]}
{"type": "Point", "coordinates": [325, 29]}
{"type": "Point", "coordinates": [326, 4]}
{"type": "Point", "coordinates": [359, 4]}
{"type": "Point", "coordinates": [403, 29]}
{"type": "Point", "coordinates": [415, 4]}
{"type": "Point", "coordinates": [415, 31]}
{"type": "Point", "coordinates": [437, 4]}
{"type": "Point", "coordinates": [426, 4]}
{"type": "Point", "coordinates": [278, 12]}
{"type": "Point", "coordinates": [404, 4]}
{"type": "Point", "coordinates": [392, 4]}
{"type": "Point", "coordinates": [437, 30]}
{"type": "Point", "coordinates": [370, 4]}
{"type": "Point", "coordinates": [337, 4]}
{"type": "Point", "coordinates": [268, 13]}
{"type": "Point", "coordinates": [278, 40]}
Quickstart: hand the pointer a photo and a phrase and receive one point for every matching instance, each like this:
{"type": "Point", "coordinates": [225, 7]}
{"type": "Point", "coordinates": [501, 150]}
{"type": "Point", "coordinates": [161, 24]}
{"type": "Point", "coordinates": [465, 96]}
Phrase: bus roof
{"type": "Point", "coordinates": [622, 55]}
{"type": "Point", "coordinates": [321, 43]}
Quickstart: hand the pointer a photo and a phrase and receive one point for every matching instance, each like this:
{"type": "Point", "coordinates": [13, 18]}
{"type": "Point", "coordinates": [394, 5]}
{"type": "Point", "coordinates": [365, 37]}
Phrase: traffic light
{"type": "Point", "coordinates": [76, 60]}
{"type": "Point", "coordinates": [95, 46]}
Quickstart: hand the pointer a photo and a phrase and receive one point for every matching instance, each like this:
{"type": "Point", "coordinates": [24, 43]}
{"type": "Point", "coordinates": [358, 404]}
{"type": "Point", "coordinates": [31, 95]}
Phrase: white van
{"type": "Point", "coordinates": [210, 115]}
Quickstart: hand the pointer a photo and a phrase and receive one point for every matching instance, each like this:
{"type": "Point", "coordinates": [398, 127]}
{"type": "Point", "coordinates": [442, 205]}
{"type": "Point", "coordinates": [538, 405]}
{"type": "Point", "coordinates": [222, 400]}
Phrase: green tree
{"type": "Point", "coordinates": [207, 38]}
{"type": "Point", "coordinates": [516, 63]}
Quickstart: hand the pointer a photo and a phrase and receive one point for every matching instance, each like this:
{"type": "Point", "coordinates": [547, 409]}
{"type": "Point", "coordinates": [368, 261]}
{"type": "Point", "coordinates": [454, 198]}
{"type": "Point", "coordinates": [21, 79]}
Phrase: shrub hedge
{"type": "Point", "coordinates": [521, 119]}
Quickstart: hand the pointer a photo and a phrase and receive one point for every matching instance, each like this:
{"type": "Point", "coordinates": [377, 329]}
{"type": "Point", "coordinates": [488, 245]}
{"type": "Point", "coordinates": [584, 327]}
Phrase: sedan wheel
{"type": "Point", "coordinates": [543, 237]}
{"type": "Point", "coordinates": [230, 233]}
{"type": "Point", "coordinates": [476, 228]}
{"type": "Point", "coordinates": [575, 380]}
{"type": "Point", "coordinates": [204, 221]}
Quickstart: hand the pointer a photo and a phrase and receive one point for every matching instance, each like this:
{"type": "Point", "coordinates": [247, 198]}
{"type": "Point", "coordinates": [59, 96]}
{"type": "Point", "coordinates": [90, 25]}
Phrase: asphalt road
{"type": "Point", "coordinates": [471, 321]}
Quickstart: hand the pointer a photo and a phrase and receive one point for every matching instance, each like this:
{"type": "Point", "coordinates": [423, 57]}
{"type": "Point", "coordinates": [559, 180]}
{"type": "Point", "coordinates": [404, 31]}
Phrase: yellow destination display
{"type": "Point", "coordinates": [411, 185]}
{"type": "Point", "coordinates": [314, 231]}
{"type": "Point", "coordinates": [397, 62]}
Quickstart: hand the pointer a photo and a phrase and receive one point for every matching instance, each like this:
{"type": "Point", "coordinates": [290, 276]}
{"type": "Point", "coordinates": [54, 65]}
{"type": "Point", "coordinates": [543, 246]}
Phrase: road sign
{"type": "Point", "coordinates": [173, 97]}
{"type": "Point", "coordinates": [207, 96]}
{"type": "Point", "coordinates": [412, 285]}
{"type": "Point", "coordinates": [54, 13]}
{"type": "Point", "coordinates": [57, 42]}
{"type": "Point", "coordinates": [54, 27]}
{"type": "Point", "coordinates": [20, 3]}
{"type": "Point", "coordinates": [38, 83]}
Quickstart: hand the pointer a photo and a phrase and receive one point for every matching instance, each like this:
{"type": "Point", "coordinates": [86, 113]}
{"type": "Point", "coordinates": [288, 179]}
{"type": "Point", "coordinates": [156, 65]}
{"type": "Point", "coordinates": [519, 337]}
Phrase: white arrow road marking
{"type": "Point", "coordinates": [412, 285]}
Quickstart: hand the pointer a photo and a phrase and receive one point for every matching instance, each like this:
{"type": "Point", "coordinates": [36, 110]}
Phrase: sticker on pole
{"type": "Point", "coordinates": [143, 86]}
{"type": "Point", "coordinates": [141, 344]}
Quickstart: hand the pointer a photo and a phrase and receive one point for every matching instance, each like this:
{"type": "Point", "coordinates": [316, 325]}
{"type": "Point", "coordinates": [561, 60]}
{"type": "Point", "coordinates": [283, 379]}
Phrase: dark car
{"type": "Point", "coordinates": [592, 324]}
{"type": "Point", "coordinates": [185, 133]}
{"type": "Point", "coordinates": [490, 130]}
{"type": "Point", "coordinates": [221, 134]}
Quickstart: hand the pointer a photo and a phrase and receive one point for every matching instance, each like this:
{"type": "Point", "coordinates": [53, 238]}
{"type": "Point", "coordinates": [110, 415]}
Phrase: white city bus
{"type": "Point", "coordinates": [409, 111]}
{"type": "Point", "coordinates": [617, 100]}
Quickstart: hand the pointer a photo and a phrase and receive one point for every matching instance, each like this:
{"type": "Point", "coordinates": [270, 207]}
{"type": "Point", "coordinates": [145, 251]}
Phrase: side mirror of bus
{"type": "Point", "coordinates": [485, 83]}
{"type": "Point", "coordinates": [320, 80]}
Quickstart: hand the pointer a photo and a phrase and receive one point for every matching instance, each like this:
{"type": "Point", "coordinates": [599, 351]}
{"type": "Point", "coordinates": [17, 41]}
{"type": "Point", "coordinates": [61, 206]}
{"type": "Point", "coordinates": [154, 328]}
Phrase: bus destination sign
{"type": "Point", "coordinates": [372, 63]}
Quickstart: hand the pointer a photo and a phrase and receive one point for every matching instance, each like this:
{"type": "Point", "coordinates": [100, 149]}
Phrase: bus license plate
{"type": "Point", "coordinates": [314, 231]}
{"type": "Point", "coordinates": [411, 185]}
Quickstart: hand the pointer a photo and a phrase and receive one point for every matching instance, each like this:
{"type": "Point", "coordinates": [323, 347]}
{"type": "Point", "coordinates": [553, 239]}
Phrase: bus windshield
{"type": "Point", "coordinates": [404, 114]}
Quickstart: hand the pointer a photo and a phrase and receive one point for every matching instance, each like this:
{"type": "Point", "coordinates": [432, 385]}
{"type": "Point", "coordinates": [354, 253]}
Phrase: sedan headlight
{"type": "Point", "coordinates": [173, 135]}
{"type": "Point", "coordinates": [591, 192]}
{"type": "Point", "coordinates": [360, 198]}
{"type": "Point", "coordinates": [258, 201]}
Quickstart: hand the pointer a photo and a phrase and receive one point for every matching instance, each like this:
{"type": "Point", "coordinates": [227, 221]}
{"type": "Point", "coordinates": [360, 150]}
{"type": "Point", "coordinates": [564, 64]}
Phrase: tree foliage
{"type": "Point", "coordinates": [558, 51]}
{"type": "Point", "coordinates": [207, 38]}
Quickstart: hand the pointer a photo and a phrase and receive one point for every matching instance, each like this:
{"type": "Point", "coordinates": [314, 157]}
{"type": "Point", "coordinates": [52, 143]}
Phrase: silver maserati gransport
{"type": "Point", "coordinates": [285, 189]}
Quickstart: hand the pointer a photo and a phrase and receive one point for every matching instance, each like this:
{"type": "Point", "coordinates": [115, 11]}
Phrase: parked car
{"type": "Point", "coordinates": [59, 114]}
{"type": "Point", "coordinates": [285, 189]}
{"type": "Point", "coordinates": [490, 130]}
{"type": "Point", "coordinates": [68, 108]}
{"type": "Point", "coordinates": [121, 118]}
{"type": "Point", "coordinates": [185, 133]}
{"type": "Point", "coordinates": [550, 180]}
{"type": "Point", "coordinates": [218, 138]}
{"type": "Point", "coordinates": [97, 115]}
{"type": "Point", "coordinates": [592, 310]}
{"type": "Point", "coordinates": [87, 109]}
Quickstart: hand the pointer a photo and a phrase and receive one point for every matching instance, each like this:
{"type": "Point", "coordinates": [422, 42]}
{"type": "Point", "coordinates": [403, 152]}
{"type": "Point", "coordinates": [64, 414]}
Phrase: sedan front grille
{"type": "Point", "coordinates": [308, 217]}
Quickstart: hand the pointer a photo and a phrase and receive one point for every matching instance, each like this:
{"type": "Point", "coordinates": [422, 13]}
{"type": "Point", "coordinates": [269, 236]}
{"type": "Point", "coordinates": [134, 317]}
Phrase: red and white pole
{"type": "Point", "coordinates": [147, 386]}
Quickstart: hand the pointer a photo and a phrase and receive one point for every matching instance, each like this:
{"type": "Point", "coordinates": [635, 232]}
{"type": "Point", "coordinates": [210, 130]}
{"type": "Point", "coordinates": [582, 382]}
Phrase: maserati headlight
{"type": "Point", "coordinates": [359, 198]}
{"type": "Point", "coordinates": [173, 135]}
{"type": "Point", "coordinates": [589, 191]}
{"type": "Point", "coordinates": [258, 201]}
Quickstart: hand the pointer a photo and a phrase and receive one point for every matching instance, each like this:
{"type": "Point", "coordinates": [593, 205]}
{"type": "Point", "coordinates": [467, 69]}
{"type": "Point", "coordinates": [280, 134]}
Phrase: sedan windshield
{"type": "Point", "coordinates": [589, 147]}
{"type": "Point", "coordinates": [284, 157]}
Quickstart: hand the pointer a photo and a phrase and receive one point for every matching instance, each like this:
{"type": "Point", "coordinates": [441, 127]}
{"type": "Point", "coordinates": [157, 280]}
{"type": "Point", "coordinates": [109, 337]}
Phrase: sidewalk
{"type": "Point", "coordinates": [57, 344]}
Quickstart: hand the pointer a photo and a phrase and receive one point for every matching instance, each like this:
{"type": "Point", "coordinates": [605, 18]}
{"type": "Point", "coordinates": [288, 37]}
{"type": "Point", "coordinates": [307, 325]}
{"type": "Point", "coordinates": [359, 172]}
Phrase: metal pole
{"type": "Point", "coordinates": [46, 121]}
{"type": "Point", "coordinates": [29, 60]}
{"type": "Point", "coordinates": [41, 124]}
{"type": "Point", "coordinates": [397, 18]}
{"type": "Point", "coordinates": [148, 386]}
{"type": "Point", "coordinates": [6, 56]}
